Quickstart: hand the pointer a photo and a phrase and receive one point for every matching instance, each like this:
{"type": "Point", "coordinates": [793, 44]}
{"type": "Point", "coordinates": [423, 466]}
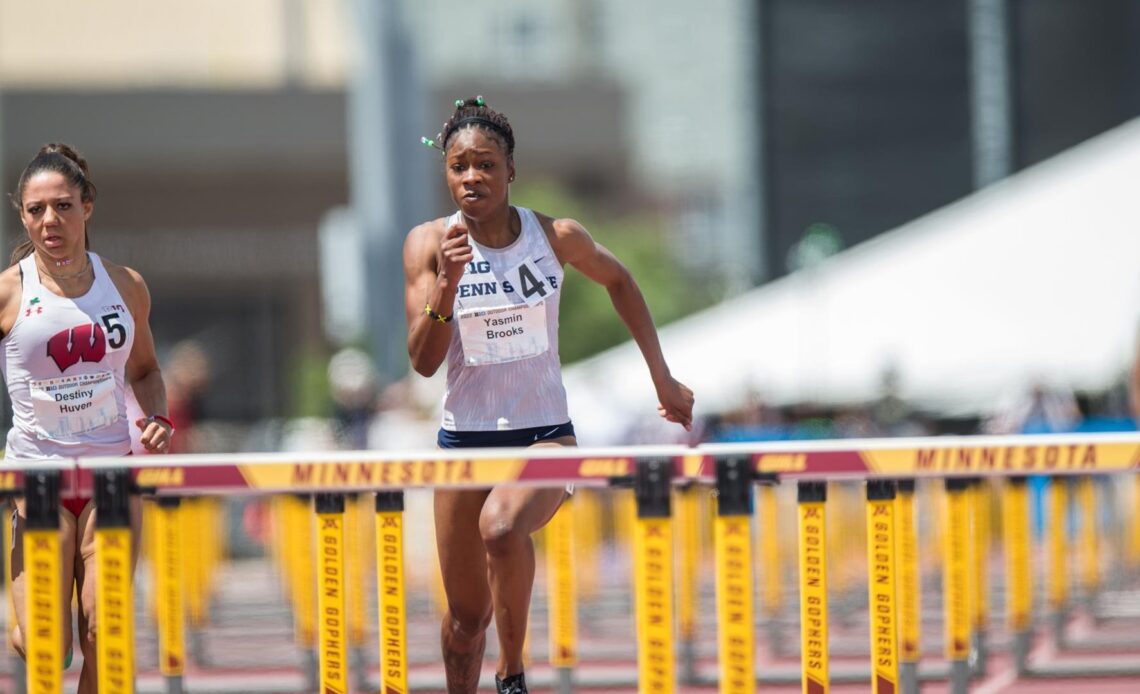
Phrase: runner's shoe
{"type": "Point", "coordinates": [515, 684]}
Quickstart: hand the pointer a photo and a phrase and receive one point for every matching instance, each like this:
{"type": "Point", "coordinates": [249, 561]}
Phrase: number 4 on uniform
{"type": "Point", "coordinates": [526, 277]}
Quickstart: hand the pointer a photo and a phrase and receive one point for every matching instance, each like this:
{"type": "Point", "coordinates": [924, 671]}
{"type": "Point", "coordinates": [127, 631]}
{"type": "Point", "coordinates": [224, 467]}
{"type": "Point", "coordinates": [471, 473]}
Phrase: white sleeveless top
{"type": "Point", "coordinates": [503, 369]}
{"type": "Point", "coordinates": [65, 365]}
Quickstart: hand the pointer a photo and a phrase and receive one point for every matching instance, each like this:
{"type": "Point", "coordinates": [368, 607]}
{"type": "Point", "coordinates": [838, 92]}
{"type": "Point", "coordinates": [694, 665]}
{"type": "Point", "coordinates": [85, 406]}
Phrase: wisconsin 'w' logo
{"type": "Point", "coordinates": [86, 342]}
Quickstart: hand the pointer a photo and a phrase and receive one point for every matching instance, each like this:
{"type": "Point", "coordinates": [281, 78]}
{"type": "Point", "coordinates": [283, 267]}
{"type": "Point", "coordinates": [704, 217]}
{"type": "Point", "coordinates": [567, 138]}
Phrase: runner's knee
{"type": "Point", "coordinates": [87, 641]}
{"type": "Point", "coordinates": [16, 638]}
{"type": "Point", "coordinates": [468, 623]}
{"type": "Point", "coordinates": [500, 531]}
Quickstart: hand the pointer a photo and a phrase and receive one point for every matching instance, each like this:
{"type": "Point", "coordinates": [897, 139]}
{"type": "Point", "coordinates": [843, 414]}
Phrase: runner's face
{"type": "Point", "coordinates": [478, 172]}
{"type": "Point", "coordinates": [54, 214]}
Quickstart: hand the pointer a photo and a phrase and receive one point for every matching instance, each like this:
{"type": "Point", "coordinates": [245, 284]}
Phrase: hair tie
{"type": "Point", "coordinates": [477, 101]}
{"type": "Point", "coordinates": [430, 143]}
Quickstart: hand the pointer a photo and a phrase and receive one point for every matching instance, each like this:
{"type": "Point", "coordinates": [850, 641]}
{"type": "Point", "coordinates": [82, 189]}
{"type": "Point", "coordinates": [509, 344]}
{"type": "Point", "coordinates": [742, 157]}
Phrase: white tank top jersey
{"type": "Point", "coordinates": [65, 365]}
{"type": "Point", "coordinates": [503, 369]}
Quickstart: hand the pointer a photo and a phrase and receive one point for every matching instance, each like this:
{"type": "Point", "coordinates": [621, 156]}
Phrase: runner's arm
{"type": "Point", "coordinates": [144, 376]}
{"type": "Point", "coordinates": [424, 285]}
{"type": "Point", "coordinates": [9, 298]}
{"type": "Point", "coordinates": [576, 247]}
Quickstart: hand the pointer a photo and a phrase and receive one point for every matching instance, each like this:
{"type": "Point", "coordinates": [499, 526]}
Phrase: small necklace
{"type": "Point", "coordinates": [65, 277]}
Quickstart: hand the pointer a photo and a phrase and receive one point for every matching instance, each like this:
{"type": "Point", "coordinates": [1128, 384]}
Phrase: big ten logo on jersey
{"type": "Point", "coordinates": [481, 287]}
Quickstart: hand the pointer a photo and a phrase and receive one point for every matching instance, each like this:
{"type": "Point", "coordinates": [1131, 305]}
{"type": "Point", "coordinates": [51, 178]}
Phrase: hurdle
{"type": "Point", "coordinates": [888, 468]}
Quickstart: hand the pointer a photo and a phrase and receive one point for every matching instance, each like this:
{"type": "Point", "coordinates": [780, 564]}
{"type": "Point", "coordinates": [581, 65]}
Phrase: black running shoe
{"type": "Point", "coordinates": [515, 684]}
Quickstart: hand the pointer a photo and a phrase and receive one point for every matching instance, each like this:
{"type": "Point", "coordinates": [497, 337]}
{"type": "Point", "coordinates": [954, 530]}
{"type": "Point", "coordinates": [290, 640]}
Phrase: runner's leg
{"type": "Point", "coordinates": [67, 526]}
{"type": "Point", "coordinates": [85, 568]}
{"type": "Point", "coordinates": [463, 562]}
{"type": "Point", "coordinates": [509, 517]}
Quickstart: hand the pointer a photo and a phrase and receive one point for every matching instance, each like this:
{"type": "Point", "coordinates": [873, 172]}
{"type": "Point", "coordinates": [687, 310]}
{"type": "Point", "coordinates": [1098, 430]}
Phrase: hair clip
{"type": "Point", "coordinates": [430, 143]}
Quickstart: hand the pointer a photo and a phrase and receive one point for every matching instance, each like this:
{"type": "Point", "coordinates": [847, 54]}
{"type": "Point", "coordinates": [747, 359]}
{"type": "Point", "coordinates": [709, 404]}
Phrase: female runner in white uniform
{"type": "Point", "coordinates": [75, 335]}
{"type": "Point", "coordinates": [481, 291]}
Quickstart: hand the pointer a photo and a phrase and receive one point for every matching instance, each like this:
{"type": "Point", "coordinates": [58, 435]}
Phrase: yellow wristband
{"type": "Point", "coordinates": [435, 316]}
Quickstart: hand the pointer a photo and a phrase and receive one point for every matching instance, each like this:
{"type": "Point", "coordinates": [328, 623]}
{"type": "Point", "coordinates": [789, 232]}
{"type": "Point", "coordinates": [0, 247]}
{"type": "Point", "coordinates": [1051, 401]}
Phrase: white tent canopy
{"type": "Point", "coordinates": [1035, 279]}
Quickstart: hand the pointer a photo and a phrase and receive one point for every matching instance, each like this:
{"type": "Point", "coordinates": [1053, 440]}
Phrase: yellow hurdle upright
{"type": "Point", "coordinates": [43, 638]}
{"type": "Point", "coordinates": [1018, 571]}
{"type": "Point", "coordinates": [688, 588]}
{"type": "Point", "coordinates": [882, 602]}
{"type": "Point", "coordinates": [814, 649]}
{"type": "Point", "coordinates": [1132, 550]}
{"type": "Point", "coordinates": [390, 587]}
{"type": "Point", "coordinates": [193, 559]}
{"type": "Point", "coordinates": [653, 577]}
{"type": "Point", "coordinates": [979, 582]}
{"type": "Point", "coordinates": [733, 544]}
{"type": "Point", "coordinates": [331, 601]}
{"type": "Point", "coordinates": [1090, 542]}
{"type": "Point", "coordinates": [587, 545]}
{"type": "Point", "coordinates": [302, 582]}
{"type": "Point", "coordinates": [772, 574]}
{"type": "Point", "coordinates": [562, 595]}
{"type": "Point", "coordinates": [114, 600]}
{"type": "Point", "coordinates": [170, 590]}
{"type": "Point", "coordinates": [1059, 556]}
{"type": "Point", "coordinates": [909, 588]}
{"type": "Point", "coordinates": [956, 581]}
{"type": "Point", "coordinates": [356, 534]}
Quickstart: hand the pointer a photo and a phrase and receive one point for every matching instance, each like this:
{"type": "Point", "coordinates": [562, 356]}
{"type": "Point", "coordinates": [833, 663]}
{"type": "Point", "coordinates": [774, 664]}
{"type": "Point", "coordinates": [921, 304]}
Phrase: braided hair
{"type": "Point", "coordinates": [475, 113]}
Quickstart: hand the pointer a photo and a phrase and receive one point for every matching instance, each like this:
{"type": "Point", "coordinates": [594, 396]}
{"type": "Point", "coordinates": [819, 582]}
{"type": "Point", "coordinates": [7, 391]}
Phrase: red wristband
{"type": "Point", "coordinates": [164, 419]}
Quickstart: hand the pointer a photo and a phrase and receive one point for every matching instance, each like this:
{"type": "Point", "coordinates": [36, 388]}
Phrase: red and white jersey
{"type": "Point", "coordinates": [503, 369]}
{"type": "Point", "coordinates": [65, 365]}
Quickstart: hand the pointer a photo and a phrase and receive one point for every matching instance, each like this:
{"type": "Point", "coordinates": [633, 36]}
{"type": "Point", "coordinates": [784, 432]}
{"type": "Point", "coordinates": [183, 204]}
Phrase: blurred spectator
{"type": "Point", "coordinates": [855, 423]}
{"type": "Point", "coordinates": [187, 376]}
{"type": "Point", "coordinates": [756, 420]}
{"type": "Point", "coordinates": [1134, 384]}
{"type": "Point", "coordinates": [187, 373]}
{"type": "Point", "coordinates": [353, 384]}
{"type": "Point", "coordinates": [893, 416]}
{"type": "Point", "coordinates": [400, 423]}
{"type": "Point", "coordinates": [1042, 410]}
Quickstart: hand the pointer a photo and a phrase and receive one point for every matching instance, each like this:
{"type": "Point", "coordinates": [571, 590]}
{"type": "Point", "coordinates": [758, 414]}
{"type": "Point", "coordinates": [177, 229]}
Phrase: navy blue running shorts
{"type": "Point", "coordinates": [509, 438]}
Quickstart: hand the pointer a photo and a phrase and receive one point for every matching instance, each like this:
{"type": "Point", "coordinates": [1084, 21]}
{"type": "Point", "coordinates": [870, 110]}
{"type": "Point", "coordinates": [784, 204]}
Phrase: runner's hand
{"type": "Point", "coordinates": [675, 402]}
{"type": "Point", "coordinates": [454, 252]}
{"type": "Point", "coordinates": [155, 434]}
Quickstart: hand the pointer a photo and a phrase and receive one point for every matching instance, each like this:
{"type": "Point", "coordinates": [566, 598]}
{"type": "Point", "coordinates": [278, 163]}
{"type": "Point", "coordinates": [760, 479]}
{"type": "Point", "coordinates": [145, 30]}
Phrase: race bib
{"type": "Point", "coordinates": [529, 283]}
{"type": "Point", "coordinates": [502, 334]}
{"type": "Point", "coordinates": [69, 406]}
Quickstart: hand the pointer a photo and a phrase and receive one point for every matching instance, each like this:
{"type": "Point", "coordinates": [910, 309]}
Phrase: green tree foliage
{"type": "Point", "coordinates": [310, 385]}
{"type": "Point", "coordinates": [588, 323]}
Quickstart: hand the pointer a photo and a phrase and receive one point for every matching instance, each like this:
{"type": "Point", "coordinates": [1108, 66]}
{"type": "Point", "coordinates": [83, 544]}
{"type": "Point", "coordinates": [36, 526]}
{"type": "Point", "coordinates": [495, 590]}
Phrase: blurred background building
{"type": "Point", "coordinates": [224, 136]}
